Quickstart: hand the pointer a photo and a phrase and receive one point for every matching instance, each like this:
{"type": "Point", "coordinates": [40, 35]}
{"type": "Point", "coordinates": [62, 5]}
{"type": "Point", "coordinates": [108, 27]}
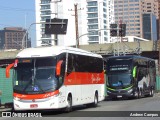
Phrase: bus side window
{"type": "Point", "coordinates": [70, 67]}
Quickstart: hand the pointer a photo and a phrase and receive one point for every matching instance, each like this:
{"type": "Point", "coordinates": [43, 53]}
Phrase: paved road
{"type": "Point", "coordinates": [145, 106]}
{"type": "Point", "coordinates": [111, 110]}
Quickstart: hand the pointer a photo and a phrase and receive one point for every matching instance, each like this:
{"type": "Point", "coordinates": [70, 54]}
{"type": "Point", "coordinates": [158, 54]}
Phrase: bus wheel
{"type": "Point", "coordinates": [139, 94]}
{"type": "Point", "coordinates": [151, 92]}
{"type": "Point", "coordinates": [136, 94]}
{"type": "Point", "coordinates": [69, 104]}
{"type": "Point", "coordinates": [95, 103]}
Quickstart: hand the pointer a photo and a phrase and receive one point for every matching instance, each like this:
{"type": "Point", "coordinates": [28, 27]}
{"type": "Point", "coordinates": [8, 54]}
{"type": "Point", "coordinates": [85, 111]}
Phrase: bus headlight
{"type": "Point", "coordinates": [108, 91]}
{"type": "Point", "coordinates": [16, 98]}
{"type": "Point", "coordinates": [129, 91]}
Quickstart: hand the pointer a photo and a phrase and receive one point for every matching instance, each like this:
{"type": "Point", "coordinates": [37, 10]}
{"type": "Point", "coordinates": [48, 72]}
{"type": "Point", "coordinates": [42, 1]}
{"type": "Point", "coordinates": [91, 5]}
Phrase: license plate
{"type": "Point", "coordinates": [119, 96]}
{"type": "Point", "coordinates": [33, 105]}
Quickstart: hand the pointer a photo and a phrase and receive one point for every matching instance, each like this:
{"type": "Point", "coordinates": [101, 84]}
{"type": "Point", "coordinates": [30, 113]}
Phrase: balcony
{"type": "Point", "coordinates": [45, 2]}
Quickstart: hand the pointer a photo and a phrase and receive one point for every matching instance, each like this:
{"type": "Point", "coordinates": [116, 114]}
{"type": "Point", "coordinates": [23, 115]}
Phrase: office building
{"type": "Point", "coordinates": [149, 26]}
{"type": "Point", "coordinates": [93, 15]}
{"type": "Point", "coordinates": [13, 38]}
{"type": "Point", "coordinates": [131, 12]}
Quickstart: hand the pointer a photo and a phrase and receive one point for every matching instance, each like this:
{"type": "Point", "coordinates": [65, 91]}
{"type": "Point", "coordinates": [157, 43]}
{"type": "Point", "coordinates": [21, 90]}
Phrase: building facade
{"type": "Point", "coordinates": [131, 13]}
{"type": "Point", "coordinates": [13, 38]}
{"type": "Point", "coordinates": [149, 26]}
{"type": "Point", "coordinates": [94, 18]}
{"type": "Point", "coordinates": [158, 21]}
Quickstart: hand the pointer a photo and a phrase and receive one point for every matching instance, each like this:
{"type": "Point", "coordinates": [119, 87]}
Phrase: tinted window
{"type": "Point", "coordinates": [81, 63]}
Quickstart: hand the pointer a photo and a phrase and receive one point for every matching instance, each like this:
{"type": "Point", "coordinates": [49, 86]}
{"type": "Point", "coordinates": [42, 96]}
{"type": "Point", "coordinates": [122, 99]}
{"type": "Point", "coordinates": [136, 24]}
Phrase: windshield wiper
{"type": "Point", "coordinates": [40, 86]}
{"type": "Point", "coordinates": [27, 85]}
{"type": "Point", "coordinates": [41, 90]}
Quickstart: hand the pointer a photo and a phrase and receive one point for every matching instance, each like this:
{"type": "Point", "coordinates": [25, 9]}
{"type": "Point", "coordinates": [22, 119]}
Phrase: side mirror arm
{"type": "Point", "coordinates": [8, 70]}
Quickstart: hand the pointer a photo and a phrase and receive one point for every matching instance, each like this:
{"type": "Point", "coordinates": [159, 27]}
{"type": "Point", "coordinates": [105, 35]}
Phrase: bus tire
{"type": "Point", "coordinates": [95, 103]}
{"type": "Point", "coordinates": [69, 104]}
{"type": "Point", "coordinates": [139, 93]}
{"type": "Point", "coordinates": [151, 92]}
{"type": "Point", "coordinates": [135, 94]}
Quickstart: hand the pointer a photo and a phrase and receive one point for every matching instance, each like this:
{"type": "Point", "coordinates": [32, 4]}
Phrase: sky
{"type": "Point", "coordinates": [18, 13]}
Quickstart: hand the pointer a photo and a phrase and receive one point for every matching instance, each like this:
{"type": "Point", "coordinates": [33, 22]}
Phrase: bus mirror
{"type": "Point", "coordinates": [58, 68]}
{"type": "Point", "coordinates": [9, 67]}
{"type": "Point", "coordinates": [8, 70]}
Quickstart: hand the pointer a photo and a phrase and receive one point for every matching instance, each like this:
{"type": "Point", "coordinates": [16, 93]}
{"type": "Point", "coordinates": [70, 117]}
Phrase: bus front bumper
{"type": "Point", "coordinates": [120, 93]}
{"type": "Point", "coordinates": [41, 104]}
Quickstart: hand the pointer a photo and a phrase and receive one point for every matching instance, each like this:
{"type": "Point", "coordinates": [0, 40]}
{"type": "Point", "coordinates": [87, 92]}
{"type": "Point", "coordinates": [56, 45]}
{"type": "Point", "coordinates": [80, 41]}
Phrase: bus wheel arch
{"type": "Point", "coordinates": [140, 92]}
{"type": "Point", "coordinates": [95, 103]}
{"type": "Point", "coordinates": [69, 103]}
{"type": "Point", "coordinates": [151, 92]}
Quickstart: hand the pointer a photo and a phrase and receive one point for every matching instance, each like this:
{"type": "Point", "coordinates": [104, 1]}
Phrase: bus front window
{"type": "Point", "coordinates": [119, 80]}
{"type": "Point", "coordinates": [36, 77]}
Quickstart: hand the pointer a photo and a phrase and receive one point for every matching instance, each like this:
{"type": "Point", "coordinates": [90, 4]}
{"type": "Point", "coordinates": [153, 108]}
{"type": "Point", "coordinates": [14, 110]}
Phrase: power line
{"type": "Point", "coordinates": [15, 9]}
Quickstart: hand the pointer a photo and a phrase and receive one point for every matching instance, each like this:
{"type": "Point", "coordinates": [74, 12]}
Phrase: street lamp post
{"type": "Point", "coordinates": [51, 23]}
{"type": "Point", "coordinates": [87, 34]}
{"type": "Point", "coordinates": [23, 39]}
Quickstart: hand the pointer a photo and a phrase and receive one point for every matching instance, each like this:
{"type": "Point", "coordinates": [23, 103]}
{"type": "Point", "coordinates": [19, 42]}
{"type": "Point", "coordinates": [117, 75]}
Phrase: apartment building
{"type": "Point", "coordinates": [94, 18]}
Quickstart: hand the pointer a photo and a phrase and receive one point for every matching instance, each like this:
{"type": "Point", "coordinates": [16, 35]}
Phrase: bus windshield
{"type": "Point", "coordinates": [119, 80]}
{"type": "Point", "coordinates": [33, 76]}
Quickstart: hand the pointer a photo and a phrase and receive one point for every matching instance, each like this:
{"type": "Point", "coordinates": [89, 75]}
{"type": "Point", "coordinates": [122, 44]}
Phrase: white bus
{"type": "Point", "coordinates": [56, 77]}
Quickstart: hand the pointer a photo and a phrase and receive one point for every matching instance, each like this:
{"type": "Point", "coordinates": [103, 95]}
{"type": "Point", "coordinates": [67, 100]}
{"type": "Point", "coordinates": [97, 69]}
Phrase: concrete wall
{"type": "Point", "coordinates": [99, 48]}
{"type": "Point", "coordinates": [122, 47]}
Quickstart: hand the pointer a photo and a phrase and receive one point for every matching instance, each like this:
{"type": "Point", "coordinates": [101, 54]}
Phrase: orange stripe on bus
{"type": "Point", "coordinates": [35, 96]}
{"type": "Point", "coordinates": [81, 78]}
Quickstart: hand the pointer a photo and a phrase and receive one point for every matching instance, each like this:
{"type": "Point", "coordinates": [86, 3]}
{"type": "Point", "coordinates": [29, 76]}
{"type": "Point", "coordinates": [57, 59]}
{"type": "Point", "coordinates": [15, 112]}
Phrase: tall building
{"type": "Point", "coordinates": [93, 15]}
{"type": "Point", "coordinates": [131, 12]}
{"type": "Point", "coordinates": [149, 26]}
{"type": "Point", "coordinates": [12, 38]}
{"type": "Point", "coordinates": [158, 21]}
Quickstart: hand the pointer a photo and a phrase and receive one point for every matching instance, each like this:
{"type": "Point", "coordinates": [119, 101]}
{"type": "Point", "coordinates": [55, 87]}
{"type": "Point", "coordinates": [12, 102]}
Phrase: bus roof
{"type": "Point", "coordinates": [52, 51]}
{"type": "Point", "coordinates": [128, 56]}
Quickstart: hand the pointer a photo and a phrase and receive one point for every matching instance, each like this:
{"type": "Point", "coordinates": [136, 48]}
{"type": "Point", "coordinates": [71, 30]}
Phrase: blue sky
{"type": "Point", "coordinates": [18, 13]}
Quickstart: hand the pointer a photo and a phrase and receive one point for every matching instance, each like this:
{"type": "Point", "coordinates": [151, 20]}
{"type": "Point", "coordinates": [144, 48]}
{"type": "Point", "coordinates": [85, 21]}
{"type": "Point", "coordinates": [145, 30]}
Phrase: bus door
{"type": "Point", "coordinates": [70, 80]}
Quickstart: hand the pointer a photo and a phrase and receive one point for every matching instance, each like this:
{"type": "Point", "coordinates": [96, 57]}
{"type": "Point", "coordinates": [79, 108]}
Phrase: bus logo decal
{"type": "Point", "coordinates": [95, 79]}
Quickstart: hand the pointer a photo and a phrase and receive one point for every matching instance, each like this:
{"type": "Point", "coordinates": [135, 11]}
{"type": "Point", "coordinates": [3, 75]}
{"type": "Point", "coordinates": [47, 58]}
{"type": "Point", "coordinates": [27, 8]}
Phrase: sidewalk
{"type": "Point", "coordinates": [3, 109]}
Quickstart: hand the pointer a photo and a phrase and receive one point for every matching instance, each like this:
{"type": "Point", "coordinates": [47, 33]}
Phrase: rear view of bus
{"type": "Point", "coordinates": [54, 77]}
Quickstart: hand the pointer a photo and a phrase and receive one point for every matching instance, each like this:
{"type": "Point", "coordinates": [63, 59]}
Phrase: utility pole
{"type": "Point", "coordinates": [76, 23]}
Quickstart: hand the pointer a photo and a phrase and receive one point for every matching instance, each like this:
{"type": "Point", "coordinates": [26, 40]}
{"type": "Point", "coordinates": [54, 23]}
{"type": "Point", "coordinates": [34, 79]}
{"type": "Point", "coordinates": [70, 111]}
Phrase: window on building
{"type": "Point", "coordinates": [149, 11]}
{"type": "Point", "coordinates": [93, 26]}
{"type": "Point", "coordinates": [104, 10]}
{"type": "Point", "coordinates": [93, 9]}
{"type": "Point", "coordinates": [93, 3]}
{"type": "Point", "coordinates": [45, 1]}
{"type": "Point", "coordinates": [92, 15]}
{"type": "Point", "coordinates": [91, 21]}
